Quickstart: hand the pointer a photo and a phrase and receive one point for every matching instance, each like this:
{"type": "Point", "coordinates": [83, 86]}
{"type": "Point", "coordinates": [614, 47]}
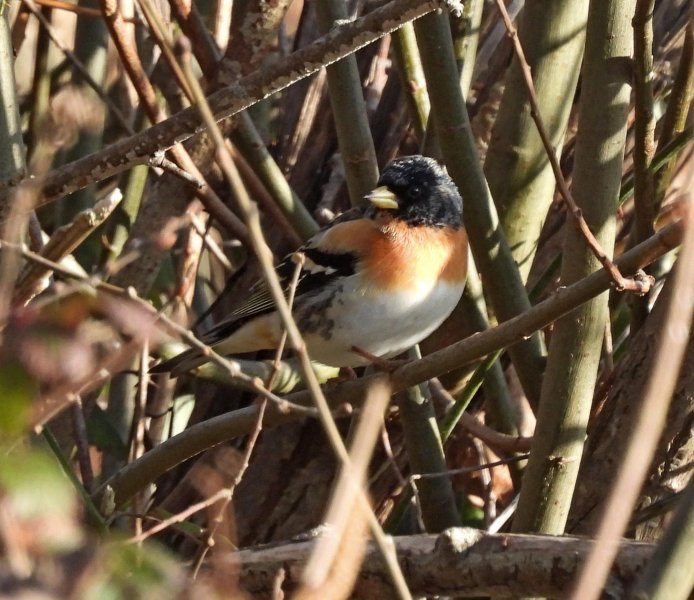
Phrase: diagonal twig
{"type": "Point", "coordinates": [637, 284]}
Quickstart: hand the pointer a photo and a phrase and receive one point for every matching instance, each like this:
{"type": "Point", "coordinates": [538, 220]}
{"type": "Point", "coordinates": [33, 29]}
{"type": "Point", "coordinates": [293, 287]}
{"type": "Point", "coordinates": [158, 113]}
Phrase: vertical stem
{"type": "Point", "coordinates": [466, 33]}
{"type": "Point", "coordinates": [644, 123]}
{"type": "Point", "coordinates": [90, 47]}
{"type": "Point", "coordinates": [40, 89]}
{"type": "Point", "coordinates": [574, 353]}
{"type": "Point", "coordinates": [410, 67]}
{"type": "Point", "coordinates": [251, 145]}
{"type": "Point", "coordinates": [12, 164]}
{"type": "Point", "coordinates": [425, 455]}
{"type": "Point", "coordinates": [349, 111]}
{"type": "Point", "coordinates": [678, 108]}
{"type": "Point", "coordinates": [644, 141]}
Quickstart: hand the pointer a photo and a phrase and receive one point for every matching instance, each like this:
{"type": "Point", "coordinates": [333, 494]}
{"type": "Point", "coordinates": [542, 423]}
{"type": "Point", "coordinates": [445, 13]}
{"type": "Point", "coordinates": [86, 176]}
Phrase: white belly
{"type": "Point", "coordinates": [384, 325]}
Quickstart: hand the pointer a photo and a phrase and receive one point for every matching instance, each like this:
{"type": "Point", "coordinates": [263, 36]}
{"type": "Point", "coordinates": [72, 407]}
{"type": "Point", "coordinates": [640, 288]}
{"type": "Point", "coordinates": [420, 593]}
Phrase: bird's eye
{"type": "Point", "coordinates": [414, 192]}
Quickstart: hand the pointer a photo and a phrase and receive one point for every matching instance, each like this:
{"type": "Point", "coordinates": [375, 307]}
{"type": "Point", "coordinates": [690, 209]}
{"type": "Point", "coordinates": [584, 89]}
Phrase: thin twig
{"type": "Point", "coordinates": [465, 470]}
{"type": "Point", "coordinates": [252, 440]}
{"type": "Point", "coordinates": [79, 430]}
{"type": "Point", "coordinates": [209, 243]}
{"type": "Point", "coordinates": [675, 117]}
{"type": "Point", "coordinates": [208, 539]}
{"type": "Point", "coordinates": [179, 517]}
{"type": "Point", "coordinates": [137, 429]}
{"type": "Point", "coordinates": [159, 160]}
{"type": "Point", "coordinates": [638, 285]}
{"type": "Point", "coordinates": [63, 241]}
{"type": "Point", "coordinates": [493, 439]}
{"type": "Point", "coordinates": [644, 121]}
{"type": "Point", "coordinates": [158, 33]}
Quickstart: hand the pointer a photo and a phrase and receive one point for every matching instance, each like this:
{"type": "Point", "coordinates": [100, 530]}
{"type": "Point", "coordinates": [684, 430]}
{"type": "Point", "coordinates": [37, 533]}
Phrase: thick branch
{"type": "Point", "coordinates": [461, 562]}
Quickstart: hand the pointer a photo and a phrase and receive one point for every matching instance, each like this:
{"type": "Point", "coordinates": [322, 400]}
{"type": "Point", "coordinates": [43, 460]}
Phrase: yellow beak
{"type": "Point", "coordinates": [383, 198]}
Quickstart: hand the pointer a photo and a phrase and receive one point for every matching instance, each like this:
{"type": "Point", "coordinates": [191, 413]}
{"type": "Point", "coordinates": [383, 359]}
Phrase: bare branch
{"type": "Point", "coordinates": [460, 562]}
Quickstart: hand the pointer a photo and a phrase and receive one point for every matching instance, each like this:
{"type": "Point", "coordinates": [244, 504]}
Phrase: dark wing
{"type": "Point", "coordinates": [319, 269]}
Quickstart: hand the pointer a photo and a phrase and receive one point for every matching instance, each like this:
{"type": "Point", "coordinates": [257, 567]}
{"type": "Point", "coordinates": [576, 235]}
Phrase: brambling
{"type": "Point", "coordinates": [378, 279]}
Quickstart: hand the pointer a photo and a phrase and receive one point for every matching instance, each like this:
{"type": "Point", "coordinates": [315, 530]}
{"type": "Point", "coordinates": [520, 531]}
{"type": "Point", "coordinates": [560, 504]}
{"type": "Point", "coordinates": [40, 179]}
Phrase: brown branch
{"type": "Point", "coordinates": [179, 517]}
{"type": "Point", "coordinates": [461, 562]}
{"type": "Point", "coordinates": [206, 53]}
{"type": "Point", "coordinates": [79, 431]}
{"type": "Point", "coordinates": [338, 43]}
{"type": "Point", "coordinates": [157, 31]}
{"type": "Point", "coordinates": [63, 241]}
{"type": "Point", "coordinates": [131, 61]}
{"type": "Point", "coordinates": [638, 285]}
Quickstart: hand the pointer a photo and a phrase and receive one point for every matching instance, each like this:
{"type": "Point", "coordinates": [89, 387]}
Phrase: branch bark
{"type": "Point", "coordinates": [460, 562]}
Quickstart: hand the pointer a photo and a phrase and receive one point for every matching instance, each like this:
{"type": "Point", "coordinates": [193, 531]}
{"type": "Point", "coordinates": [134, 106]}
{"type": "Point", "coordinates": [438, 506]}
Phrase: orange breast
{"type": "Point", "coordinates": [404, 256]}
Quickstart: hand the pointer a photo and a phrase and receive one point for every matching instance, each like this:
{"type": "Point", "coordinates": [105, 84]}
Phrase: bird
{"type": "Point", "coordinates": [375, 281]}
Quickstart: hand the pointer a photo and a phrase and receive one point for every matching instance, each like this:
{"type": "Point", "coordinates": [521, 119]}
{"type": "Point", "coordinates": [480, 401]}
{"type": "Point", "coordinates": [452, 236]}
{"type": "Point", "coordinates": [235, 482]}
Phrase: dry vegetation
{"type": "Point", "coordinates": [151, 152]}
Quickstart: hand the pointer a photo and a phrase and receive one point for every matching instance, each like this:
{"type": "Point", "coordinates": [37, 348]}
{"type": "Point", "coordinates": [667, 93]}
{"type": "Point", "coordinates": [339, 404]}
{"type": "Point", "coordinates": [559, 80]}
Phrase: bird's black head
{"type": "Point", "coordinates": [417, 190]}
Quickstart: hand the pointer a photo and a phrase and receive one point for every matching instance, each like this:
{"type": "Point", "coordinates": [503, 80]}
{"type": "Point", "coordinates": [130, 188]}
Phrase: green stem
{"type": "Point", "coordinates": [92, 510]}
{"type": "Point", "coordinates": [465, 397]}
{"type": "Point", "coordinates": [425, 454]}
{"type": "Point", "coordinates": [349, 111]}
{"type": "Point", "coordinates": [410, 67]}
{"type": "Point", "coordinates": [251, 145]}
